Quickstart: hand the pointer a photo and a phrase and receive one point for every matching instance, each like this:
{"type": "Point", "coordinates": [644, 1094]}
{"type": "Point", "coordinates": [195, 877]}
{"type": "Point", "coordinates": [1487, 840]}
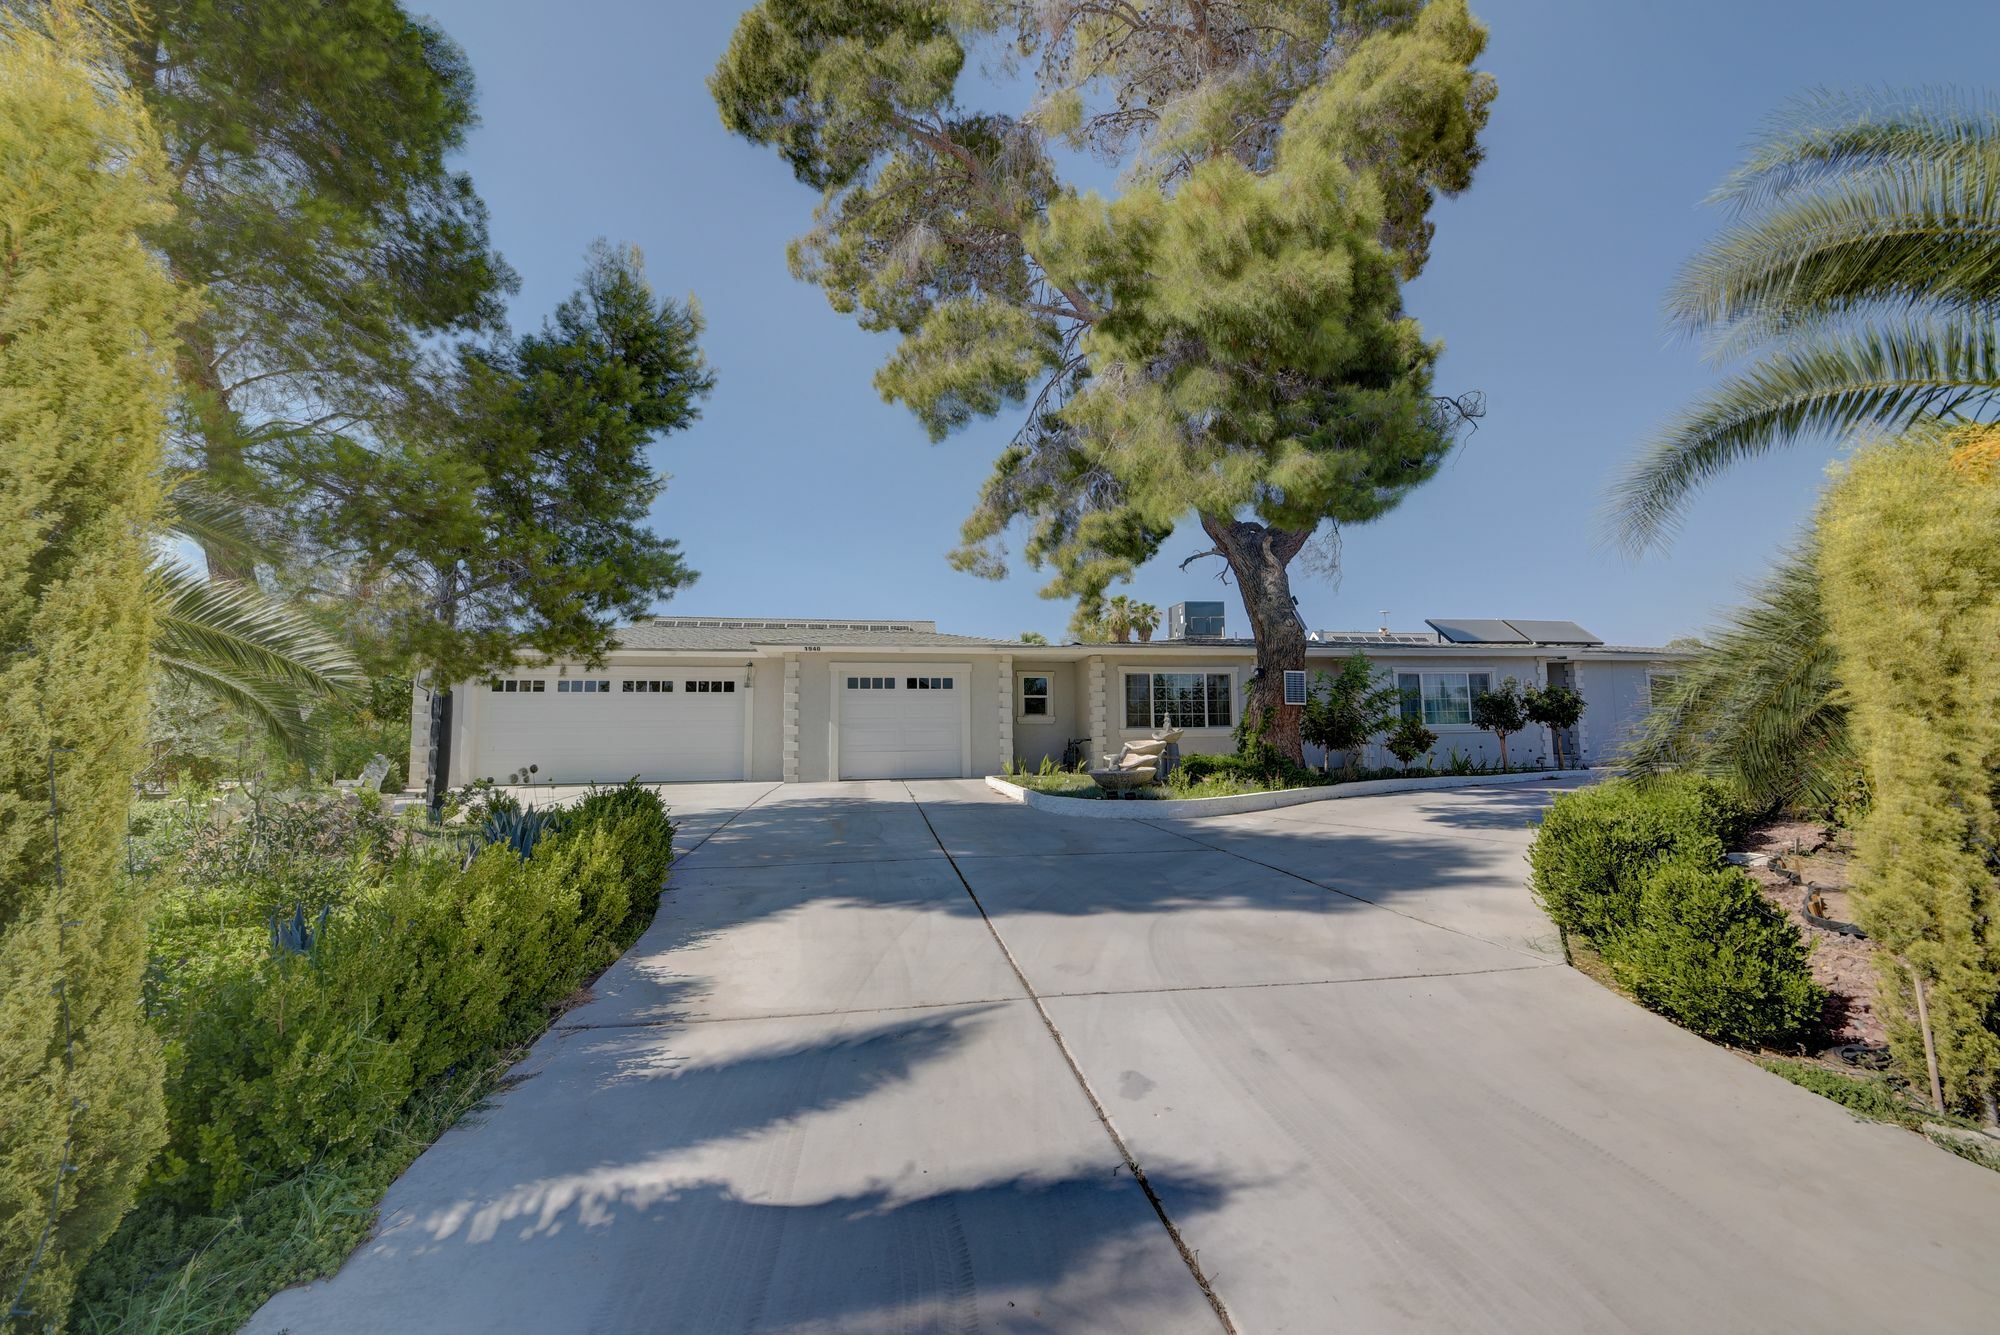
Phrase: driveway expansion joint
{"type": "Point", "coordinates": [725, 825]}
{"type": "Point", "coordinates": [1187, 1253]}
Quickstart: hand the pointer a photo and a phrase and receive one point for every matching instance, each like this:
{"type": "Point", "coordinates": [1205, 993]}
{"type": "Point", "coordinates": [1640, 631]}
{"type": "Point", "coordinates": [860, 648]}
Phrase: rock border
{"type": "Point", "coordinates": [1091, 808]}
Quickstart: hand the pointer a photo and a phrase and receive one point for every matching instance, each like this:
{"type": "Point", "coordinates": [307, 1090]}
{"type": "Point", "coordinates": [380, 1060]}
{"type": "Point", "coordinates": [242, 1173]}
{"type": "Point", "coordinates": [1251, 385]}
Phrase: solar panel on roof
{"type": "Point", "coordinates": [1553, 632]}
{"type": "Point", "coordinates": [1476, 630]}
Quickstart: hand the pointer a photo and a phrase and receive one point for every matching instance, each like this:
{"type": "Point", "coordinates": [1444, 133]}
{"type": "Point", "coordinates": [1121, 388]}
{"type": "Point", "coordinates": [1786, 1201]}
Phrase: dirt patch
{"type": "Point", "coordinates": [1843, 965]}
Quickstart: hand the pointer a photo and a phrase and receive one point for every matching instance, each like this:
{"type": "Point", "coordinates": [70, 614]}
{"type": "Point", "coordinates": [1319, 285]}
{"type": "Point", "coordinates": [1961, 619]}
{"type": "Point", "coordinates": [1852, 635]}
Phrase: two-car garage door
{"type": "Point", "coordinates": [605, 727]}
{"type": "Point", "coordinates": [901, 722]}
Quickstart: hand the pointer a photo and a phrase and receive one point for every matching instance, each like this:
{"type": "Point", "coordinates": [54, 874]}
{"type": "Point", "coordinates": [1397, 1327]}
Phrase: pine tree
{"type": "Point", "coordinates": [1225, 337]}
{"type": "Point", "coordinates": [1910, 576]}
{"type": "Point", "coordinates": [86, 336]}
{"type": "Point", "coordinates": [511, 512]}
{"type": "Point", "coordinates": [309, 151]}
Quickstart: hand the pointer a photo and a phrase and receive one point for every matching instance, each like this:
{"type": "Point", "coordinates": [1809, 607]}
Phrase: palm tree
{"type": "Point", "coordinates": [1145, 620]}
{"type": "Point", "coordinates": [235, 642]}
{"type": "Point", "coordinates": [1118, 618]}
{"type": "Point", "coordinates": [1758, 705]}
{"type": "Point", "coordinates": [1860, 277]}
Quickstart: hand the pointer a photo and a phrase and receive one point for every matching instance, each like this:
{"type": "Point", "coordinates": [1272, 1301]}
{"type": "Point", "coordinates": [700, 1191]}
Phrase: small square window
{"type": "Point", "coordinates": [851, 683]}
{"type": "Point", "coordinates": [539, 684]}
{"type": "Point", "coordinates": [625, 686]}
{"type": "Point", "coordinates": [729, 688]}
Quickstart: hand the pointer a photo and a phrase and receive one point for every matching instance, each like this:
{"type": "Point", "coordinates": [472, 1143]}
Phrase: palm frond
{"type": "Point", "coordinates": [243, 646]}
{"type": "Point", "coordinates": [1831, 384]}
{"type": "Point", "coordinates": [1862, 275]}
{"type": "Point", "coordinates": [1759, 707]}
{"type": "Point", "coordinates": [280, 713]}
{"type": "Point", "coordinates": [208, 519]}
{"type": "Point", "coordinates": [1921, 232]}
{"type": "Point", "coordinates": [1829, 133]}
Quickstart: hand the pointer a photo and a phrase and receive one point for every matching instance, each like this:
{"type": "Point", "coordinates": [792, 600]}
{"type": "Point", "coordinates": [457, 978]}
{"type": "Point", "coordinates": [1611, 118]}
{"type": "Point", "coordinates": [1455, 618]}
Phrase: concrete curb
{"type": "Point", "coordinates": [1237, 803]}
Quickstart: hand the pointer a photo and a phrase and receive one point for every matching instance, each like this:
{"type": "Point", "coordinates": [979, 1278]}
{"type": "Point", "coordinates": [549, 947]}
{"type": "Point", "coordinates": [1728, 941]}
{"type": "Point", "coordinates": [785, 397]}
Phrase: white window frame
{"type": "Point", "coordinates": [1048, 698]}
{"type": "Point", "coordinates": [1424, 695]}
{"type": "Point", "coordinates": [1126, 674]}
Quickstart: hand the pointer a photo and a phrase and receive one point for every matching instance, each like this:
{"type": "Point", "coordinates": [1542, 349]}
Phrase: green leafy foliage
{"type": "Point", "coordinates": [249, 650]}
{"type": "Point", "coordinates": [510, 509]}
{"type": "Point", "coordinates": [1346, 710]}
{"type": "Point", "coordinates": [425, 965]}
{"type": "Point", "coordinates": [1224, 336]}
{"type": "Point", "coordinates": [1759, 705]}
{"type": "Point", "coordinates": [1910, 574]}
{"type": "Point", "coordinates": [316, 208]}
{"type": "Point", "coordinates": [1708, 951]}
{"type": "Point", "coordinates": [1598, 844]}
{"type": "Point", "coordinates": [1557, 708]}
{"type": "Point", "coordinates": [87, 320]}
{"type": "Point", "coordinates": [1502, 712]}
{"type": "Point", "coordinates": [1409, 738]}
{"type": "Point", "coordinates": [1873, 1097]}
{"type": "Point", "coordinates": [1858, 277]}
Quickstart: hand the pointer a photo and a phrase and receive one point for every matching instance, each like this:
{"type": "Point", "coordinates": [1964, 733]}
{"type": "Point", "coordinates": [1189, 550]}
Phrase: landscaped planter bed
{"type": "Point", "coordinates": [1236, 803]}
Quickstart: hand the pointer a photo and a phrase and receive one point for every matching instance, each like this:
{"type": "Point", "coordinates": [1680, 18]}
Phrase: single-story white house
{"type": "Point", "coordinates": [719, 698]}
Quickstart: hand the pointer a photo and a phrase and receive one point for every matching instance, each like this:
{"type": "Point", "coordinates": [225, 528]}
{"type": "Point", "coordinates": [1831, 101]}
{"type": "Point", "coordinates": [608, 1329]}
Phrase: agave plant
{"type": "Point", "coordinates": [236, 642]}
{"type": "Point", "coordinates": [1860, 279]}
{"type": "Point", "coordinates": [519, 828]}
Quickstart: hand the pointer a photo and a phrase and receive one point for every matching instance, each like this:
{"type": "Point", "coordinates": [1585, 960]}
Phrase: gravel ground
{"type": "Point", "coordinates": [1843, 965]}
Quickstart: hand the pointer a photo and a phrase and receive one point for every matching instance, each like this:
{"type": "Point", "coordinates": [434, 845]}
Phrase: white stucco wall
{"type": "Point", "coordinates": [1616, 693]}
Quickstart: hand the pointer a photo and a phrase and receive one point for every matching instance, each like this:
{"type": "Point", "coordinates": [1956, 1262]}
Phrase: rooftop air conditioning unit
{"type": "Point", "coordinates": [1194, 621]}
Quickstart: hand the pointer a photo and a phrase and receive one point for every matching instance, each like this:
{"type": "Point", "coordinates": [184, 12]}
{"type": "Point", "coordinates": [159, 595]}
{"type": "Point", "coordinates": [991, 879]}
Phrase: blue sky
{"type": "Point", "coordinates": [801, 493]}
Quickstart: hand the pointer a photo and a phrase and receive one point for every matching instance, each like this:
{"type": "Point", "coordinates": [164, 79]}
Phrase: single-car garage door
{"type": "Point", "coordinates": [902, 722]}
{"type": "Point", "coordinates": [606, 727]}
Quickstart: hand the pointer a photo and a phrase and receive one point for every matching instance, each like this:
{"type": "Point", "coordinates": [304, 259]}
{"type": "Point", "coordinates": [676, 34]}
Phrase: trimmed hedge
{"type": "Point", "coordinates": [1589, 864]}
{"type": "Point", "coordinates": [1709, 951]}
{"type": "Point", "coordinates": [1635, 867]}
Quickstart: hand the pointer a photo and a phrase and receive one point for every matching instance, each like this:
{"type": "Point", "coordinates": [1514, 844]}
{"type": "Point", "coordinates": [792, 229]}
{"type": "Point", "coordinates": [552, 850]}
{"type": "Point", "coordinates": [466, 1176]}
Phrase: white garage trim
{"type": "Point", "coordinates": [840, 671]}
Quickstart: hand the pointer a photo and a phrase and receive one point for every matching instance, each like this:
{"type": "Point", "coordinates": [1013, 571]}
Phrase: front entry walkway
{"type": "Point", "coordinates": [909, 1056]}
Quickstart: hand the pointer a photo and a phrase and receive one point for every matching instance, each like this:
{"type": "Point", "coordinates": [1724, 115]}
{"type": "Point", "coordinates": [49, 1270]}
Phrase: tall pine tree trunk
{"type": "Point", "coordinates": [1259, 557]}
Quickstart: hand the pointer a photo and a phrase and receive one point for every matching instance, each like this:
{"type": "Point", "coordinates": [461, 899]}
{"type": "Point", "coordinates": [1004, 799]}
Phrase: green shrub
{"type": "Point", "coordinates": [280, 1060]}
{"type": "Point", "coordinates": [1596, 845]}
{"type": "Point", "coordinates": [1263, 768]}
{"type": "Point", "coordinates": [1707, 950]}
{"type": "Point", "coordinates": [1870, 1096]}
{"type": "Point", "coordinates": [637, 822]}
{"type": "Point", "coordinates": [1910, 577]}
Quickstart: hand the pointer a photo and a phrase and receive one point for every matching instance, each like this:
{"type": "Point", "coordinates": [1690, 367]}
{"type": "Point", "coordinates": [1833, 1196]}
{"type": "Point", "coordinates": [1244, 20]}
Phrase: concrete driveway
{"type": "Point", "coordinates": [891, 1054]}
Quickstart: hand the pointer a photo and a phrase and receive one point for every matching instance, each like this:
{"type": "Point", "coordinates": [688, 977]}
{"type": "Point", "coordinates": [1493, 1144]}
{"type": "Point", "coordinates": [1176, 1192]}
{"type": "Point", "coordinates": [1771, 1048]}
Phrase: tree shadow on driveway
{"type": "Point", "coordinates": [926, 1171]}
